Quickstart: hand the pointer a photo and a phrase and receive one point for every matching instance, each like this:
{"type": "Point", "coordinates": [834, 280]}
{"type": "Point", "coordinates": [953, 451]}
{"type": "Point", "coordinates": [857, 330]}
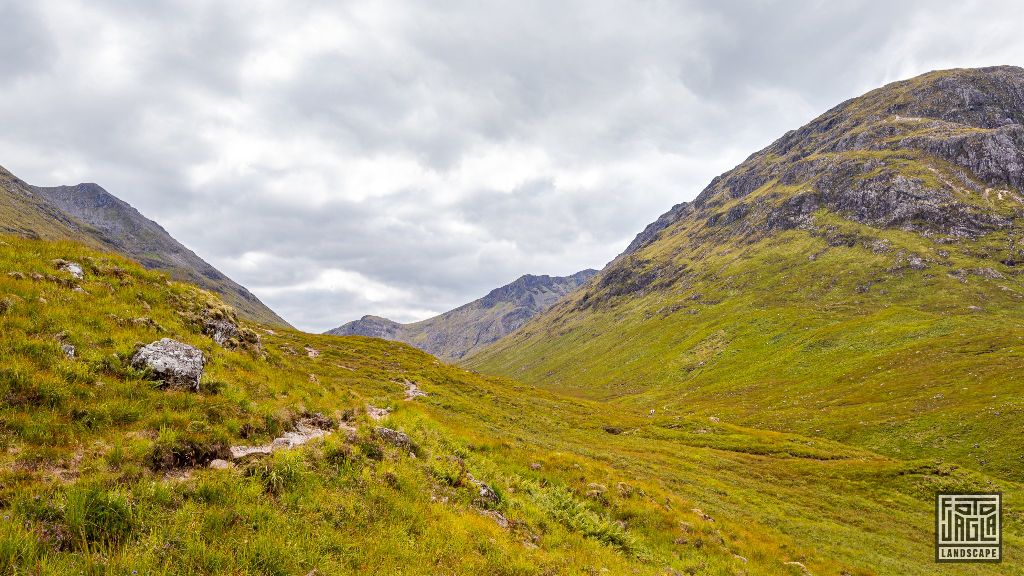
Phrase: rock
{"type": "Point", "coordinates": [535, 466]}
{"type": "Point", "coordinates": [179, 365]}
{"type": "Point", "coordinates": [486, 495]}
{"type": "Point", "coordinates": [73, 268]}
{"type": "Point", "coordinates": [377, 413]}
{"type": "Point", "coordinates": [700, 513]}
{"type": "Point", "coordinates": [713, 419]}
{"type": "Point", "coordinates": [800, 566]}
{"type": "Point", "coordinates": [394, 437]}
{"type": "Point", "coordinates": [16, 275]}
{"type": "Point", "coordinates": [625, 490]}
{"type": "Point", "coordinates": [220, 329]}
{"type": "Point", "coordinates": [243, 451]}
{"type": "Point", "coordinates": [220, 464]}
{"type": "Point", "coordinates": [988, 273]}
{"type": "Point", "coordinates": [68, 349]}
{"type": "Point", "coordinates": [412, 391]}
{"type": "Point", "coordinates": [312, 352]}
{"type": "Point", "coordinates": [307, 428]}
{"type": "Point", "coordinates": [498, 517]}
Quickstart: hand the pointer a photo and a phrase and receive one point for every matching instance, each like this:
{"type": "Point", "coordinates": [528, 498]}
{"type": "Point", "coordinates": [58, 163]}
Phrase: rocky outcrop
{"type": "Point", "coordinates": [73, 268]}
{"type": "Point", "coordinates": [177, 364]}
{"type": "Point", "coordinates": [464, 330]}
{"type": "Point", "coordinates": [394, 437]}
{"type": "Point", "coordinates": [942, 153]}
{"type": "Point", "coordinates": [307, 428]}
{"type": "Point", "coordinates": [221, 330]}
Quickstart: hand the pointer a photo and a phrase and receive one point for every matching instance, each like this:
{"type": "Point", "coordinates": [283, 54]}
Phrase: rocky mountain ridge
{"type": "Point", "coordinates": [89, 214]}
{"type": "Point", "coordinates": [457, 333]}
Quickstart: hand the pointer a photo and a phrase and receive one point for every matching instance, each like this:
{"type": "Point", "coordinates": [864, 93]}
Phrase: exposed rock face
{"type": "Point", "coordinates": [924, 154]}
{"type": "Point", "coordinates": [394, 437]}
{"type": "Point", "coordinates": [941, 155]}
{"type": "Point", "coordinates": [179, 365]}
{"type": "Point", "coordinates": [306, 429]}
{"type": "Point", "coordinates": [460, 332]}
{"type": "Point", "coordinates": [89, 214]}
{"type": "Point", "coordinates": [221, 330]}
{"type": "Point", "coordinates": [73, 268]}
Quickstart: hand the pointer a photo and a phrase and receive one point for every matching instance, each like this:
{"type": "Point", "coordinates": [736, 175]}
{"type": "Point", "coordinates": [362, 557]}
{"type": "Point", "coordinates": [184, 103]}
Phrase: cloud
{"type": "Point", "coordinates": [400, 159]}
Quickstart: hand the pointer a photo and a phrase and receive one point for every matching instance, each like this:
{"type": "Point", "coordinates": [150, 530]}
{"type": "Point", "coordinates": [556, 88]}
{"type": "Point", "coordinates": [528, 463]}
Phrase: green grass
{"type": "Point", "coordinates": [95, 473]}
{"type": "Point", "coordinates": [905, 362]}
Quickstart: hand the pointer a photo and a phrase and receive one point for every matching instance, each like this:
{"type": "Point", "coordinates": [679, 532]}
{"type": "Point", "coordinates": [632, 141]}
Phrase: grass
{"type": "Point", "coordinates": [100, 468]}
{"type": "Point", "coordinates": [906, 362]}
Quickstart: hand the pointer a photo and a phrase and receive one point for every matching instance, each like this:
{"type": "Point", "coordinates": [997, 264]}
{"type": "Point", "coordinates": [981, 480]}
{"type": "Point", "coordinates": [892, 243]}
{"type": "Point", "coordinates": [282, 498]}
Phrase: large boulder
{"type": "Point", "coordinates": [179, 365]}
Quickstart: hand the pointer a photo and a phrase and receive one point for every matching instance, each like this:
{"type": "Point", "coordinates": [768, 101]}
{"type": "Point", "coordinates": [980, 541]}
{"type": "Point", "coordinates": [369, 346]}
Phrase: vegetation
{"type": "Point", "coordinates": [86, 487]}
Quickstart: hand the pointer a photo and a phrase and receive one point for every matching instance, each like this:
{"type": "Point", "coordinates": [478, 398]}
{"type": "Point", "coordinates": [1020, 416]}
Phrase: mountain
{"type": "Point", "coordinates": [859, 279]}
{"type": "Point", "coordinates": [460, 332]}
{"type": "Point", "coordinates": [89, 214]}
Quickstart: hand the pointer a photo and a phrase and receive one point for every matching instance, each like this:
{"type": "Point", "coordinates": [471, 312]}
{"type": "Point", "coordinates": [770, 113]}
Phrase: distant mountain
{"type": "Point", "coordinates": [89, 214]}
{"type": "Point", "coordinates": [460, 332]}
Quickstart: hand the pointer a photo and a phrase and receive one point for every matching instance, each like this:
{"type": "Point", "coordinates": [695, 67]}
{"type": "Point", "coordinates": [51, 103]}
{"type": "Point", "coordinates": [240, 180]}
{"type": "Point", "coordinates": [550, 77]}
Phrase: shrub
{"type": "Point", "coordinates": [277, 474]}
{"type": "Point", "coordinates": [96, 516]}
{"type": "Point", "coordinates": [18, 547]}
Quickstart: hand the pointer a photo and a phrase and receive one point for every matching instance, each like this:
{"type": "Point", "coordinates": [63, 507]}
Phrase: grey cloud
{"type": "Point", "coordinates": [399, 158]}
{"type": "Point", "coordinates": [24, 41]}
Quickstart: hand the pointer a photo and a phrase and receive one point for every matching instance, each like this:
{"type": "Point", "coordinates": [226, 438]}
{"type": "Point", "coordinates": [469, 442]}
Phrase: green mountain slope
{"type": "Point", "coordinates": [102, 471]}
{"type": "Point", "coordinates": [460, 332]}
{"type": "Point", "coordinates": [89, 214]}
{"type": "Point", "coordinates": [857, 280]}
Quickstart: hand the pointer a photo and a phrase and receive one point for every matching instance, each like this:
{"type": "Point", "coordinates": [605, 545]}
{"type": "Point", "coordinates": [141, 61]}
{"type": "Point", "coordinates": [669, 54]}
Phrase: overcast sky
{"type": "Point", "coordinates": [390, 158]}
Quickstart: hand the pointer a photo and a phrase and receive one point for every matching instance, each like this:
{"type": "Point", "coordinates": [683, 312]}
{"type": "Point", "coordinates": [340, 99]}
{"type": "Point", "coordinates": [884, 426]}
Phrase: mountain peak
{"type": "Point", "coordinates": [87, 213]}
{"type": "Point", "coordinates": [918, 154]}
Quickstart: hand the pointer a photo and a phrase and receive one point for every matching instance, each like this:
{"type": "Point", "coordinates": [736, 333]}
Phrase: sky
{"type": "Point", "coordinates": [403, 158]}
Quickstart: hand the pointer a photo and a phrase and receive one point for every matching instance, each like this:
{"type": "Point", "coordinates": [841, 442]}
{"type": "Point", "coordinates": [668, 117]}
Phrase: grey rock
{"type": "Point", "coordinates": [220, 329]}
{"type": "Point", "coordinates": [394, 437]}
{"type": "Point", "coordinates": [177, 364]}
{"type": "Point", "coordinates": [485, 494]}
{"type": "Point", "coordinates": [377, 413]}
{"type": "Point", "coordinates": [219, 464]}
{"type": "Point", "coordinates": [68, 350]}
{"type": "Point", "coordinates": [73, 268]}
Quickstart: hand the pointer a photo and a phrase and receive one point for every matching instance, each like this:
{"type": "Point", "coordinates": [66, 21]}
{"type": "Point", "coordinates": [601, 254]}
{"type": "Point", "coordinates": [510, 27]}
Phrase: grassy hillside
{"type": "Point", "coordinates": [857, 280]}
{"type": "Point", "coordinates": [88, 214]}
{"type": "Point", "coordinates": [102, 471]}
